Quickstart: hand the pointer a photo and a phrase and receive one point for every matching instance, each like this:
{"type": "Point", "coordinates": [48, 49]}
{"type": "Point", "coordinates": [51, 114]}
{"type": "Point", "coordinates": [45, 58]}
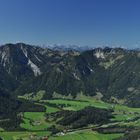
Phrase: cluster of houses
{"type": "Point", "coordinates": [35, 137]}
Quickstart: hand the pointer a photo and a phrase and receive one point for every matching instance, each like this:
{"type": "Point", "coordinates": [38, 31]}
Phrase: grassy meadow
{"type": "Point", "coordinates": [36, 123]}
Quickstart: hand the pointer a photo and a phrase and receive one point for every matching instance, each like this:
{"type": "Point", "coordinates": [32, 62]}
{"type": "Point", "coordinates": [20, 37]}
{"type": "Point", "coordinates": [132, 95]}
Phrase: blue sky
{"type": "Point", "coordinates": [79, 22]}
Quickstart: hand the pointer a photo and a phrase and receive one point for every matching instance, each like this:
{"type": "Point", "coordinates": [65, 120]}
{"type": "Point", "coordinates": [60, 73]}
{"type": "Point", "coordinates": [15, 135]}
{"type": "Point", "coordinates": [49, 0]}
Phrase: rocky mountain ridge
{"type": "Point", "coordinates": [112, 72]}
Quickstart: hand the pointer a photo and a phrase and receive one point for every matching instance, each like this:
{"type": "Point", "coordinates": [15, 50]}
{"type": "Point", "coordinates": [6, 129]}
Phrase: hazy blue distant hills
{"type": "Point", "coordinates": [112, 72]}
{"type": "Point", "coordinates": [70, 47]}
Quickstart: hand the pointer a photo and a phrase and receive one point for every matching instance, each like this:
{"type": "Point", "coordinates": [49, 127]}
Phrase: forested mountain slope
{"type": "Point", "coordinates": [112, 72]}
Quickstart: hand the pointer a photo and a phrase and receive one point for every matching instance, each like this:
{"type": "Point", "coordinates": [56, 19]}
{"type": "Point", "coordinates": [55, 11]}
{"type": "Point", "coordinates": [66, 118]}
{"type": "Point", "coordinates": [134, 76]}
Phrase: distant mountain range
{"type": "Point", "coordinates": [112, 72]}
{"type": "Point", "coordinates": [70, 47]}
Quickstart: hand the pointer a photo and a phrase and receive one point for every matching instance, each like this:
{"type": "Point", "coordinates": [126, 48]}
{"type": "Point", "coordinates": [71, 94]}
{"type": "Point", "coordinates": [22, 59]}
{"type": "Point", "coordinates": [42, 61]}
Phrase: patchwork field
{"type": "Point", "coordinates": [86, 135]}
{"type": "Point", "coordinates": [79, 135]}
{"type": "Point", "coordinates": [35, 123]}
{"type": "Point", "coordinates": [24, 135]}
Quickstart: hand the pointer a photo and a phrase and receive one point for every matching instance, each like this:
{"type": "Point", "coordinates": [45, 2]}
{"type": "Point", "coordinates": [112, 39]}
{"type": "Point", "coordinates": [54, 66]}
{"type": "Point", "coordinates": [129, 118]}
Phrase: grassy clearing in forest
{"type": "Point", "coordinates": [37, 123]}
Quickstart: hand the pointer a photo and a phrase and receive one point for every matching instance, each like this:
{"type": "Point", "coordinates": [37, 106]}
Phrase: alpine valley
{"type": "Point", "coordinates": [69, 93]}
